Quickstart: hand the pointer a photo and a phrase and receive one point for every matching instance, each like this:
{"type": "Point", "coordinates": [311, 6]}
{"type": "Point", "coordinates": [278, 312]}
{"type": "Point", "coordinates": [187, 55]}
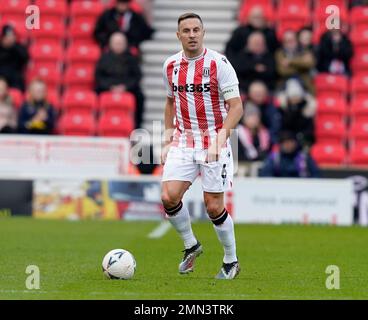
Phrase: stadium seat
{"type": "Point", "coordinates": [358, 16]}
{"type": "Point", "coordinates": [293, 12]}
{"type": "Point", "coordinates": [359, 108]}
{"type": "Point", "coordinates": [48, 73]}
{"type": "Point", "coordinates": [86, 8]}
{"type": "Point", "coordinates": [331, 107]}
{"type": "Point", "coordinates": [79, 53]}
{"type": "Point", "coordinates": [115, 124]}
{"type": "Point", "coordinates": [247, 6]}
{"type": "Point", "coordinates": [359, 35]}
{"type": "Point", "coordinates": [359, 62]}
{"type": "Point", "coordinates": [11, 7]}
{"type": "Point", "coordinates": [359, 86]}
{"type": "Point", "coordinates": [51, 27]}
{"type": "Point", "coordinates": [17, 97]}
{"type": "Point", "coordinates": [331, 85]}
{"type": "Point", "coordinates": [117, 101]}
{"type": "Point", "coordinates": [330, 131]}
{"type": "Point", "coordinates": [81, 28]}
{"type": "Point", "coordinates": [320, 15]}
{"type": "Point", "coordinates": [77, 124]}
{"type": "Point", "coordinates": [80, 100]}
{"type": "Point", "coordinates": [46, 53]}
{"type": "Point", "coordinates": [54, 8]}
{"type": "Point", "coordinates": [359, 130]}
{"type": "Point", "coordinates": [359, 154]}
{"type": "Point", "coordinates": [79, 77]}
{"type": "Point", "coordinates": [328, 154]}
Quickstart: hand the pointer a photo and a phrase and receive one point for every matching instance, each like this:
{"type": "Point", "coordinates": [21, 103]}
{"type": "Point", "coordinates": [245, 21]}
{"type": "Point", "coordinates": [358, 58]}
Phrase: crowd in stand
{"type": "Point", "coordinates": [276, 74]}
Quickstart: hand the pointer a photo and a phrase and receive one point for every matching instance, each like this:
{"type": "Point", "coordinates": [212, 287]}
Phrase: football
{"type": "Point", "coordinates": [119, 264]}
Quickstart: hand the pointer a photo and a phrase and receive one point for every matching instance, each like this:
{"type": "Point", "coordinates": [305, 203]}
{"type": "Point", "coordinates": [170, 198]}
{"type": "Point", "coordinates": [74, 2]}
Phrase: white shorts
{"type": "Point", "coordinates": [185, 164]}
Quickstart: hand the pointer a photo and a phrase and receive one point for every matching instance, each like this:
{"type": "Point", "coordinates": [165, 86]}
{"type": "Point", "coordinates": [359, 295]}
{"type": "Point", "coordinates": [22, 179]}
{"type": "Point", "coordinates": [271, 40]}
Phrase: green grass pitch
{"type": "Point", "coordinates": [278, 262]}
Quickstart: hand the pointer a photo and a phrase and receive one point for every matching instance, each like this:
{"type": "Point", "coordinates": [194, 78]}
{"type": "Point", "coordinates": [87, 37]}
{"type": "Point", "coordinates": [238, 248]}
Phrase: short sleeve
{"type": "Point", "coordinates": [226, 74]}
{"type": "Point", "coordinates": [166, 80]}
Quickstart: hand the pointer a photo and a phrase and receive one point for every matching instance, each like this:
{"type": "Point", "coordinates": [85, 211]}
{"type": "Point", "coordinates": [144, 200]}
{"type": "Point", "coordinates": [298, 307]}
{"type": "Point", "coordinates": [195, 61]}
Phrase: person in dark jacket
{"type": "Point", "coordinates": [290, 161]}
{"type": "Point", "coordinates": [270, 117]}
{"type": "Point", "coordinates": [37, 116]}
{"type": "Point", "coordinates": [117, 70]}
{"type": "Point", "coordinates": [122, 18]}
{"type": "Point", "coordinates": [298, 109]}
{"type": "Point", "coordinates": [254, 63]}
{"type": "Point", "coordinates": [256, 22]}
{"type": "Point", "coordinates": [13, 58]}
{"type": "Point", "coordinates": [334, 53]}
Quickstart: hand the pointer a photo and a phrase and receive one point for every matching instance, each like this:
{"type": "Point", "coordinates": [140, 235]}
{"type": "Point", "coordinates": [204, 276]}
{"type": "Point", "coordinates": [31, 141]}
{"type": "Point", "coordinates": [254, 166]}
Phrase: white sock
{"type": "Point", "coordinates": [180, 220]}
{"type": "Point", "coordinates": [226, 235]}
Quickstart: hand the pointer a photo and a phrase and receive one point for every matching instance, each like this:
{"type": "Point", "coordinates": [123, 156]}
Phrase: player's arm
{"type": "Point", "coordinates": [169, 120]}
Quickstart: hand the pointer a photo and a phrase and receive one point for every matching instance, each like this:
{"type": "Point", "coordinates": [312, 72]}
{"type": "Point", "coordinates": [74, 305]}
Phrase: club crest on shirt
{"type": "Point", "coordinates": [206, 72]}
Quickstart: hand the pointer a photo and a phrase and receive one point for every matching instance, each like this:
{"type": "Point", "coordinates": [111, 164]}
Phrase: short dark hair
{"type": "Point", "coordinates": [189, 15]}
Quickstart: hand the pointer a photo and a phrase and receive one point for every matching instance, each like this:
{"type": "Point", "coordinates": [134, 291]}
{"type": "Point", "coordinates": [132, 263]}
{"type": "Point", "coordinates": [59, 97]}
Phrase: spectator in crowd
{"type": "Point", "coordinates": [290, 161]}
{"type": "Point", "coordinates": [298, 108]}
{"type": "Point", "coordinates": [37, 115]}
{"type": "Point", "coordinates": [254, 63]}
{"type": "Point", "coordinates": [117, 70]}
{"type": "Point", "coordinates": [122, 18]}
{"type": "Point", "coordinates": [334, 53]}
{"type": "Point", "coordinates": [305, 38]}
{"type": "Point", "coordinates": [5, 97]}
{"type": "Point", "coordinates": [253, 138]}
{"type": "Point", "coordinates": [8, 118]}
{"type": "Point", "coordinates": [13, 58]}
{"type": "Point", "coordinates": [294, 61]}
{"type": "Point", "coordinates": [256, 22]}
{"type": "Point", "coordinates": [270, 117]}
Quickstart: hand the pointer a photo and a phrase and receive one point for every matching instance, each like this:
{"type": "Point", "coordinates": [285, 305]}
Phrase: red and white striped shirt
{"type": "Point", "coordinates": [197, 86]}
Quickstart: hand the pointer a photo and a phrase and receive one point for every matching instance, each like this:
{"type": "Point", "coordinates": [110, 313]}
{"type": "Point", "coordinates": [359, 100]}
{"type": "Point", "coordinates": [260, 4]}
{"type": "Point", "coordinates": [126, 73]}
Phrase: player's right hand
{"type": "Point", "coordinates": [164, 151]}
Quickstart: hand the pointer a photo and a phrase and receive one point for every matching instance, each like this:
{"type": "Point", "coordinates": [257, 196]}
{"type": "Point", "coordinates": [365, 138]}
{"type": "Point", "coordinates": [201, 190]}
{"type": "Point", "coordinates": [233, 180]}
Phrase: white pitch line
{"type": "Point", "coordinates": [160, 230]}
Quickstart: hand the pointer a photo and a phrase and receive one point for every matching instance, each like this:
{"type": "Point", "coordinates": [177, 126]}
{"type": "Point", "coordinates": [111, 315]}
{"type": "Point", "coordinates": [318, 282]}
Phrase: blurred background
{"type": "Point", "coordinates": [73, 90]}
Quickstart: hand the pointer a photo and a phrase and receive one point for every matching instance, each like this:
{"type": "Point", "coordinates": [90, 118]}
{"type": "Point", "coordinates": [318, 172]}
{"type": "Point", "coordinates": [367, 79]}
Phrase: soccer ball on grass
{"type": "Point", "coordinates": [118, 264]}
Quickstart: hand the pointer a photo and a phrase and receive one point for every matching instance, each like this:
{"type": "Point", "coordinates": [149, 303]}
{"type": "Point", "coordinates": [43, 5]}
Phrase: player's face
{"type": "Point", "coordinates": [191, 33]}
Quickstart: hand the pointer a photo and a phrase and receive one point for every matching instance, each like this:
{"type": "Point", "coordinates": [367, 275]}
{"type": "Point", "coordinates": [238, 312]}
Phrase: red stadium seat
{"type": "Point", "coordinates": [330, 131]}
{"type": "Point", "coordinates": [53, 8]}
{"type": "Point", "coordinates": [117, 101]}
{"type": "Point", "coordinates": [77, 124]}
{"type": "Point", "coordinates": [331, 107]}
{"type": "Point", "coordinates": [80, 100]}
{"type": "Point", "coordinates": [83, 53]}
{"type": "Point", "coordinates": [328, 154]}
{"type": "Point", "coordinates": [247, 6]}
{"type": "Point", "coordinates": [14, 7]}
{"type": "Point", "coordinates": [359, 108]}
{"type": "Point", "coordinates": [359, 130]}
{"type": "Point", "coordinates": [360, 62]}
{"type": "Point", "coordinates": [359, 35]}
{"type": "Point", "coordinates": [320, 15]}
{"type": "Point", "coordinates": [293, 12]}
{"type": "Point", "coordinates": [359, 16]}
{"type": "Point", "coordinates": [86, 8]}
{"type": "Point", "coordinates": [331, 85]}
{"type": "Point", "coordinates": [50, 28]}
{"type": "Point", "coordinates": [49, 74]}
{"type": "Point", "coordinates": [359, 154]}
{"type": "Point", "coordinates": [46, 53]}
{"type": "Point", "coordinates": [82, 28]}
{"type": "Point", "coordinates": [115, 124]}
{"type": "Point", "coordinates": [79, 77]}
{"type": "Point", "coordinates": [17, 97]}
{"type": "Point", "coordinates": [359, 86]}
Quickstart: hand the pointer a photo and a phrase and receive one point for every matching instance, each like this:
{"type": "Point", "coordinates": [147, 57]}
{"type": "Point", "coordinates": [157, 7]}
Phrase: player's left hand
{"type": "Point", "coordinates": [213, 154]}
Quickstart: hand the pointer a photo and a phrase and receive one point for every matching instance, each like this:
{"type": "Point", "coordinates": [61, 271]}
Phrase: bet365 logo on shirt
{"type": "Point", "coordinates": [191, 87]}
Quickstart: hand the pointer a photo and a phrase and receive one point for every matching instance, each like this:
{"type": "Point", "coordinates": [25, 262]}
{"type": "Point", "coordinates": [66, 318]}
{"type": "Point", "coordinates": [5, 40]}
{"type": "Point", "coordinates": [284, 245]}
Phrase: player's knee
{"type": "Point", "coordinates": [214, 208]}
{"type": "Point", "coordinates": [169, 199]}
